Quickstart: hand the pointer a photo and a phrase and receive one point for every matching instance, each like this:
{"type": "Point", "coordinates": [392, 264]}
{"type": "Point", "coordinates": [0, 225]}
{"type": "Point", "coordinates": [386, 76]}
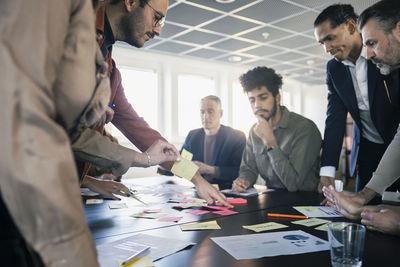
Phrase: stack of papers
{"type": "Point", "coordinates": [318, 211]}
{"type": "Point", "coordinates": [110, 254]}
{"type": "Point", "coordinates": [254, 246]}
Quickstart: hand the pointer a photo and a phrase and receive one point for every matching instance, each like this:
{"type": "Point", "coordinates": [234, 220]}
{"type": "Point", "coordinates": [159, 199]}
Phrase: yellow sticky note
{"type": "Point", "coordinates": [311, 222]}
{"type": "Point", "coordinates": [323, 227]}
{"type": "Point", "coordinates": [184, 168]}
{"type": "Point", "coordinates": [200, 226]}
{"type": "Point", "coordinates": [186, 154]}
{"type": "Point", "coordinates": [94, 201]}
{"type": "Point", "coordinates": [264, 226]}
{"type": "Point", "coordinates": [138, 262]}
{"type": "Point", "coordinates": [307, 209]}
{"type": "Point", "coordinates": [148, 215]}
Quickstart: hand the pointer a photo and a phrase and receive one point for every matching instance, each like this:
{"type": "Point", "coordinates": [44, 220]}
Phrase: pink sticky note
{"type": "Point", "coordinates": [225, 212]}
{"type": "Point", "coordinates": [152, 211]}
{"type": "Point", "coordinates": [216, 207]}
{"type": "Point", "coordinates": [237, 200]}
{"type": "Point", "coordinates": [186, 200]}
{"type": "Point", "coordinates": [198, 212]}
{"type": "Point", "coordinates": [170, 219]}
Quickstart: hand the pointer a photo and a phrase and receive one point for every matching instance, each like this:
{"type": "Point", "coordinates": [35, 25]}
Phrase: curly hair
{"type": "Point", "coordinates": [337, 15]}
{"type": "Point", "coordinates": [261, 76]}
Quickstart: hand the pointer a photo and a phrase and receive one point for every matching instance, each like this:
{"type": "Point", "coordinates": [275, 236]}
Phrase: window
{"type": "Point", "coordinates": [191, 88]}
{"type": "Point", "coordinates": [141, 90]}
{"type": "Point", "coordinates": [242, 115]}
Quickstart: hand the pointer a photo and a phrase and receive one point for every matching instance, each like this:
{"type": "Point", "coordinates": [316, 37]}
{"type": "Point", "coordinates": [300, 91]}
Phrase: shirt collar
{"type": "Point", "coordinates": [108, 37]}
{"type": "Point", "coordinates": [362, 57]}
{"type": "Point", "coordinates": [284, 121]}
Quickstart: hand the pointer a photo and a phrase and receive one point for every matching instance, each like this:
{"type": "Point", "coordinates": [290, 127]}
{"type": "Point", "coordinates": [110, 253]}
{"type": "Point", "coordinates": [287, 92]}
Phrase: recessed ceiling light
{"type": "Point", "coordinates": [265, 35]}
{"type": "Point", "coordinates": [234, 59]}
{"type": "Point", "coordinates": [225, 1]}
{"type": "Point", "coordinates": [310, 62]}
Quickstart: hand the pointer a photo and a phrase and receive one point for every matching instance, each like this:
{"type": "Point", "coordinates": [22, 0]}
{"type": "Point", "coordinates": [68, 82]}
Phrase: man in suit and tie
{"type": "Point", "coordinates": [217, 149]}
{"type": "Point", "coordinates": [356, 86]}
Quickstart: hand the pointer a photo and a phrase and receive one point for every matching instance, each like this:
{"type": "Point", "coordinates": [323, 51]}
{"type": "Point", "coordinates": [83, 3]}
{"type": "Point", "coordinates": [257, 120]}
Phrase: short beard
{"type": "Point", "coordinates": [272, 113]}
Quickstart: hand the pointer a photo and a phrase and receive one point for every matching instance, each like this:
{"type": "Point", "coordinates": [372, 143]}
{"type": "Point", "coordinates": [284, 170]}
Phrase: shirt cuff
{"type": "Point", "coordinates": [327, 171]}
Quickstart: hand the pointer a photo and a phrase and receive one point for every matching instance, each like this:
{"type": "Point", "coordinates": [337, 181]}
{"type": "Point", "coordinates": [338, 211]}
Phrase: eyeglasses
{"type": "Point", "coordinates": [159, 19]}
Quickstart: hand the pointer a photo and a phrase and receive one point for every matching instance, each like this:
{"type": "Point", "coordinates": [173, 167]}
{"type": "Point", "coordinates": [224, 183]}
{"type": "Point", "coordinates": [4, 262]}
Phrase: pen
{"type": "Point", "coordinates": [133, 196]}
{"type": "Point", "coordinates": [112, 106]}
{"type": "Point", "coordinates": [286, 216]}
{"type": "Point", "coordinates": [134, 256]}
{"type": "Point", "coordinates": [387, 91]}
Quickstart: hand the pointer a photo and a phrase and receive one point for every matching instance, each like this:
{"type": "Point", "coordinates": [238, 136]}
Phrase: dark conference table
{"type": "Point", "coordinates": [107, 226]}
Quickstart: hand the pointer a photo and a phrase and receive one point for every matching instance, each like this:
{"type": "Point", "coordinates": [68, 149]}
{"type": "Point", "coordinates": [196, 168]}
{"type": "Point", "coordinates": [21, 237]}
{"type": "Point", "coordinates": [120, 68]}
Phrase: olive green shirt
{"type": "Point", "coordinates": [294, 164]}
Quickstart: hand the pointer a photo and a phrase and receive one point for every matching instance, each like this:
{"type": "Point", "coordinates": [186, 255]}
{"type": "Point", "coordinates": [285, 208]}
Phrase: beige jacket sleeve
{"type": "Point", "coordinates": [388, 170]}
{"type": "Point", "coordinates": [47, 52]}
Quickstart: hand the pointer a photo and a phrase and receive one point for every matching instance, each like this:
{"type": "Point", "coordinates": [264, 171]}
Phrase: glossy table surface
{"type": "Point", "coordinates": [109, 225]}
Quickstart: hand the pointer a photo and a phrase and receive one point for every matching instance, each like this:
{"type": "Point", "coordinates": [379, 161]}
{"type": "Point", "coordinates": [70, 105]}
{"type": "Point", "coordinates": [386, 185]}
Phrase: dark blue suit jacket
{"type": "Point", "coordinates": [227, 152]}
{"type": "Point", "coordinates": [342, 99]}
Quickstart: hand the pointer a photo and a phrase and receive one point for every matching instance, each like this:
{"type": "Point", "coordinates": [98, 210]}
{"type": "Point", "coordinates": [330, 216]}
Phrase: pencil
{"type": "Point", "coordinates": [286, 216]}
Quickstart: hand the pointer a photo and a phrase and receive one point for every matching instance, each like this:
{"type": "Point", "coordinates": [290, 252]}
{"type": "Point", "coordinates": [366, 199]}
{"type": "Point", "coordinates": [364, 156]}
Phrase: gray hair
{"type": "Point", "coordinates": [214, 98]}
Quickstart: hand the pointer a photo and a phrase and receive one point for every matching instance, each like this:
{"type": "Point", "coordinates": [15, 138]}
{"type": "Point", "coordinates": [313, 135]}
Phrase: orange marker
{"type": "Point", "coordinates": [286, 216]}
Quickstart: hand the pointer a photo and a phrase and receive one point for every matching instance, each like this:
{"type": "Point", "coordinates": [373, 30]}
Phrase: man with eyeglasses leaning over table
{"type": "Point", "coordinates": [134, 22]}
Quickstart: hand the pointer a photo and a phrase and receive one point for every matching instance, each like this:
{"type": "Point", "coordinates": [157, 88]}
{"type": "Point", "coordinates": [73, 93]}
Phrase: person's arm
{"type": "Point", "coordinates": [106, 187]}
{"type": "Point", "coordinates": [134, 127]}
{"type": "Point", "coordinates": [388, 170]}
{"type": "Point", "coordinates": [294, 170]}
{"type": "Point", "coordinates": [386, 219]}
{"type": "Point", "coordinates": [99, 150]}
{"type": "Point", "coordinates": [248, 166]}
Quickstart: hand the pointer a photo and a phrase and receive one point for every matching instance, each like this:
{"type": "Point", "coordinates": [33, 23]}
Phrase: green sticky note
{"type": "Point", "coordinates": [307, 209]}
{"type": "Point", "coordinates": [264, 226]}
{"type": "Point", "coordinates": [311, 222]}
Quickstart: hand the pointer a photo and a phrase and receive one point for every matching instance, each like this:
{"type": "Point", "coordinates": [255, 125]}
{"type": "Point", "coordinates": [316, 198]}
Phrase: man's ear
{"type": "Point", "coordinates": [396, 31]}
{"type": "Point", "coordinates": [130, 5]}
{"type": "Point", "coordinates": [351, 26]}
{"type": "Point", "coordinates": [221, 112]}
{"type": "Point", "coordinates": [278, 99]}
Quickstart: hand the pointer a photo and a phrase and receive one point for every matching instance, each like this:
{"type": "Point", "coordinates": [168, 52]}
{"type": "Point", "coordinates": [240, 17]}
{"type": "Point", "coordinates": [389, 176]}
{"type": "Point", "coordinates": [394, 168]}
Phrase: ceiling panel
{"type": "Point", "coordinates": [171, 47]}
{"type": "Point", "coordinates": [184, 14]}
{"type": "Point", "coordinates": [230, 25]}
{"type": "Point", "coordinates": [198, 37]}
{"type": "Point", "coordinates": [231, 45]}
{"type": "Point", "coordinates": [210, 30]}
{"type": "Point", "coordinates": [268, 11]}
{"type": "Point", "coordinates": [205, 53]}
{"type": "Point", "coordinates": [223, 7]}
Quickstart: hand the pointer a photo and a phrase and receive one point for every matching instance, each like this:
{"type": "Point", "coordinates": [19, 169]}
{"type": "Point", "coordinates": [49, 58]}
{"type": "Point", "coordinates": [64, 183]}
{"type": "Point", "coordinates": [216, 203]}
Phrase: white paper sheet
{"type": "Point", "coordinates": [109, 254]}
{"type": "Point", "coordinates": [318, 211]}
{"type": "Point", "coordinates": [256, 246]}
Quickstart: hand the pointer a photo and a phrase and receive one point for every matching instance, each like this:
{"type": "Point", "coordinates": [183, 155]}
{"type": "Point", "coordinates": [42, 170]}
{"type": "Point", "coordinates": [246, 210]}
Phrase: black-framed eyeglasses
{"type": "Point", "coordinates": [159, 19]}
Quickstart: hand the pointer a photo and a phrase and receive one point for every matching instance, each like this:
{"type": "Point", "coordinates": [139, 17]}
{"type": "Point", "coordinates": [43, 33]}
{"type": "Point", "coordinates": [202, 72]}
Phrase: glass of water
{"type": "Point", "coordinates": [346, 243]}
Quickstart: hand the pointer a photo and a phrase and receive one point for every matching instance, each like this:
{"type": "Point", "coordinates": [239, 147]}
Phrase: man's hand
{"type": "Point", "coordinates": [325, 181]}
{"type": "Point", "coordinates": [106, 118]}
{"type": "Point", "coordinates": [263, 129]}
{"type": "Point", "coordinates": [240, 185]}
{"type": "Point", "coordinates": [342, 202]}
{"type": "Point", "coordinates": [208, 192]}
{"type": "Point", "coordinates": [205, 168]}
{"type": "Point", "coordinates": [159, 152]}
{"type": "Point", "coordinates": [106, 187]}
{"type": "Point", "coordinates": [382, 218]}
